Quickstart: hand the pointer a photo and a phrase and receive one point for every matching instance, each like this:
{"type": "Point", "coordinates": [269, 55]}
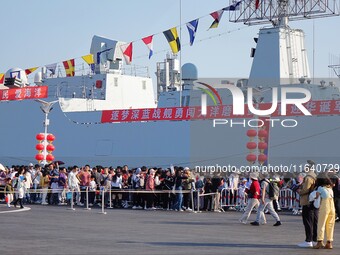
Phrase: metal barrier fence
{"type": "Point", "coordinates": [226, 198]}
{"type": "Point", "coordinates": [237, 199]}
{"type": "Point", "coordinates": [233, 198]}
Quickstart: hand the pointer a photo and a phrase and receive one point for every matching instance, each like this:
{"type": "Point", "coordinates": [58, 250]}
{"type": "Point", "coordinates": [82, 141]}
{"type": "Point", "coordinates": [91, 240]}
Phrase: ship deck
{"type": "Point", "coordinates": [56, 230]}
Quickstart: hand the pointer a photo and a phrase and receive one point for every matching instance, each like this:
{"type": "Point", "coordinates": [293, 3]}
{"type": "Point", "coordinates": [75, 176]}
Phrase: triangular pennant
{"type": "Point", "coordinates": [257, 4]}
{"type": "Point", "coordinates": [88, 59]}
{"type": "Point", "coordinates": [51, 68]}
{"type": "Point", "coordinates": [127, 52]}
{"type": "Point", "coordinates": [192, 28]}
{"type": "Point", "coordinates": [217, 15]}
{"type": "Point", "coordinates": [30, 70]}
{"type": "Point", "coordinates": [2, 78]}
{"type": "Point", "coordinates": [235, 6]}
{"type": "Point", "coordinates": [149, 43]}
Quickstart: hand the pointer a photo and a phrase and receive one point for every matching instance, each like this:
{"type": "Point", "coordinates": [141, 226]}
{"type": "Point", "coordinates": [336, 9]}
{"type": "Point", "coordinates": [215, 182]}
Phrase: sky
{"type": "Point", "coordinates": [40, 32]}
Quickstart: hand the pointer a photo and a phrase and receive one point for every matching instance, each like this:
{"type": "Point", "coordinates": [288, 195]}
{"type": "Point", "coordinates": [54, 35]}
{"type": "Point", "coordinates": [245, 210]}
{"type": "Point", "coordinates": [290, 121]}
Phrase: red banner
{"type": "Point", "coordinates": [327, 107]}
{"type": "Point", "coordinates": [30, 92]}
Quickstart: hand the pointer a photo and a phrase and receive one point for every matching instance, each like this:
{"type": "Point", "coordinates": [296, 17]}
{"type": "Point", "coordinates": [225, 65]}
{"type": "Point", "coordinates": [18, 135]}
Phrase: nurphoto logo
{"type": "Point", "coordinates": [238, 106]}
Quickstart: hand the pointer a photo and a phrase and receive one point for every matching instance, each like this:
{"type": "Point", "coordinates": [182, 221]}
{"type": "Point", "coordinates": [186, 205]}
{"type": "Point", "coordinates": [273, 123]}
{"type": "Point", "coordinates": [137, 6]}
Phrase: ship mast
{"type": "Point", "coordinates": [278, 12]}
{"type": "Point", "coordinates": [280, 56]}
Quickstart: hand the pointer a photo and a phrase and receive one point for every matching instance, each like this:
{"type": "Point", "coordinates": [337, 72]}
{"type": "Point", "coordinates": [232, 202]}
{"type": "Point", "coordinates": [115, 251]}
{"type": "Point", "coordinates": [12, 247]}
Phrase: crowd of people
{"type": "Point", "coordinates": [178, 188]}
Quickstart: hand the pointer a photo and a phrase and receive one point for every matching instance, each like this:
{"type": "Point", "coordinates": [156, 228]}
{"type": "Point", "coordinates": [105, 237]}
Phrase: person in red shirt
{"type": "Point", "coordinates": [150, 186]}
{"type": "Point", "coordinates": [253, 197]}
{"type": "Point", "coordinates": [85, 178]}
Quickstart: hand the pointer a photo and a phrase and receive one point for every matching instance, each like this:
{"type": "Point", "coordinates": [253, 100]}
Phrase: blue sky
{"type": "Point", "coordinates": [40, 32]}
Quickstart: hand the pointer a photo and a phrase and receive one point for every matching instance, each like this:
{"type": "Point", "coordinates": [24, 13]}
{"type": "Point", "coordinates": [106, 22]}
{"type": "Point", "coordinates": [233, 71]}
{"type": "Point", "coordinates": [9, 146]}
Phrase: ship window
{"type": "Point", "coordinates": [116, 82]}
{"type": "Point", "coordinates": [144, 85]}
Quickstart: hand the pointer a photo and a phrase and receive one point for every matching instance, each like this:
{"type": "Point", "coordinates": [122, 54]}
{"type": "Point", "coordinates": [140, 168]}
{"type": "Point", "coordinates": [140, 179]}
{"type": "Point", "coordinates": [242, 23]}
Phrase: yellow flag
{"type": "Point", "coordinates": [2, 76]}
{"type": "Point", "coordinates": [69, 67]}
{"type": "Point", "coordinates": [173, 39]}
{"type": "Point", "coordinates": [88, 59]}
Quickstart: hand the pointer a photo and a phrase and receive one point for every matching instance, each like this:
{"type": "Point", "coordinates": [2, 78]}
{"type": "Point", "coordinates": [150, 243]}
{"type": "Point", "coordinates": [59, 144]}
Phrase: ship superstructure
{"type": "Point", "coordinates": [108, 115]}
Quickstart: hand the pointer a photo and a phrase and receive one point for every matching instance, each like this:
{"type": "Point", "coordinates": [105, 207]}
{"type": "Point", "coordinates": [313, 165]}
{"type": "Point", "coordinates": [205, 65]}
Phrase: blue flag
{"type": "Point", "coordinates": [233, 7]}
{"type": "Point", "coordinates": [192, 28]}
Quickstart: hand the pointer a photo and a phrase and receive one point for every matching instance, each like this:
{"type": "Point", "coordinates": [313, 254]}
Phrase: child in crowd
{"type": "Point", "coordinates": [92, 190]}
{"type": "Point", "coordinates": [9, 190]}
{"type": "Point", "coordinates": [242, 188]}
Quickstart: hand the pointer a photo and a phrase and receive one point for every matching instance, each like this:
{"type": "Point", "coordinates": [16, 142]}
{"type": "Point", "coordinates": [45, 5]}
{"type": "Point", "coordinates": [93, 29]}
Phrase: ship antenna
{"type": "Point", "coordinates": [283, 13]}
{"type": "Point", "coordinates": [180, 54]}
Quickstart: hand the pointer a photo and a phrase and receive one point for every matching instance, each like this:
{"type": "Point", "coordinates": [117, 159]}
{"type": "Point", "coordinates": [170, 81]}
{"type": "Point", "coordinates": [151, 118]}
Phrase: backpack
{"type": "Point", "coordinates": [273, 190]}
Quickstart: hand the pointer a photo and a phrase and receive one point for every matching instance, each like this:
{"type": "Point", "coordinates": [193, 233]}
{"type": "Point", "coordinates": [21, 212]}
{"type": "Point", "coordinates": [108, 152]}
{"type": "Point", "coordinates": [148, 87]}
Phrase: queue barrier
{"type": "Point", "coordinates": [231, 198]}
{"type": "Point", "coordinates": [70, 192]}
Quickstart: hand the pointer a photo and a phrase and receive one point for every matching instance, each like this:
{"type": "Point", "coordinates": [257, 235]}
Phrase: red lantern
{"type": "Point", "coordinates": [49, 157]}
{"type": "Point", "coordinates": [50, 138]}
{"type": "Point", "coordinates": [251, 158]}
{"type": "Point", "coordinates": [40, 137]}
{"type": "Point", "coordinates": [39, 146]}
{"type": "Point", "coordinates": [263, 133]}
{"type": "Point", "coordinates": [262, 145]}
{"type": "Point", "coordinates": [262, 158]}
{"type": "Point", "coordinates": [50, 147]}
{"type": "Point", "coordinates": [251, 145]}
{"type": "Point", "coordinates": [39, 157]}
{"type": "Point", "coordinates": [251, 133]}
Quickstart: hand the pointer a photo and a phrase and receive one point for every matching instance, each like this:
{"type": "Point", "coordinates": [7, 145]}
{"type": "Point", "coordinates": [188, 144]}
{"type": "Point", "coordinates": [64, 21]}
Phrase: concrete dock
{"type": "Point", "coordinates": [56, 230]}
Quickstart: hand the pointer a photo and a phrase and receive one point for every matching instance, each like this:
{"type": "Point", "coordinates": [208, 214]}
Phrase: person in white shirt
{"type": "Point", "coordinates": [73, 183]}
{"type": "Point", "coordinates": [35, 174]}
{"type": "Point", "coordinates": [116, 184]}
{"type": "Point", "coordinates": [92, 190]}
{"type": "Point", "coordinates": [28, 184]}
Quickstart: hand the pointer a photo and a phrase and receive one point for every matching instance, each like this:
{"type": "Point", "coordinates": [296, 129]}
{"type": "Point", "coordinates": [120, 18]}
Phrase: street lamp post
{"type": "Point", "coordinates": [46, 107]}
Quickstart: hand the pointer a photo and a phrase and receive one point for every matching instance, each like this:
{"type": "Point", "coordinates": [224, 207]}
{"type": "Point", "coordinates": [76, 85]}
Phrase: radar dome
{"type": "Point", "coordinates": [17, 73]}
{"type": "Point", "coordinates": [189, 72]}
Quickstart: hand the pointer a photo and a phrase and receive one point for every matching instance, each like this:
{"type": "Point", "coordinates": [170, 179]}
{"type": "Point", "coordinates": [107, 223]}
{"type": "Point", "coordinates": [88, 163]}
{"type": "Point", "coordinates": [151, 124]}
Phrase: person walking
{"type": "Point", "coordinates": [19, 188]}
{"type": "Point", "coordinates": [8, 192]}
{"type": "Point", "coordinates": [266, 201]}
{"type": "Point", "coordinates": [253, 194]}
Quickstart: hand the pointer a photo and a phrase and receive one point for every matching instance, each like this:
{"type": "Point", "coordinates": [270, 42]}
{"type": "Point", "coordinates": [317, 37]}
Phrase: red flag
{"type": "Point", "coordinates": [257, 4]}
{"type": "Point", "coordinates": [127, 52]}
{"type": "Point", "coordinates": [217, 15]}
